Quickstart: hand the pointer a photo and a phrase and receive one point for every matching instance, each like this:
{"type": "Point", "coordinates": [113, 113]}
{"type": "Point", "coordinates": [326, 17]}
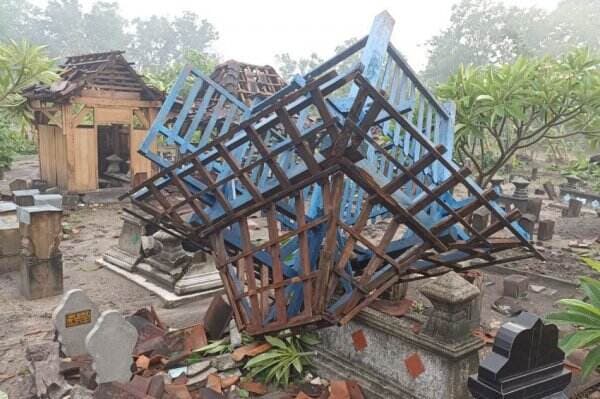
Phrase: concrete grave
{"type": "Point", "coordinates": [110, 344]}
{"type": "Point", "coordinates": [170, 262]}
{"type": "Point", "coordinates": [574, 209]}
{"type": "Point", "coordinates": [515, 286]}
{"type": "Point", "coordinates": [41, 278]}
{"type": "Point", "coordinates": [202, 275]}
{"type": "Point", "coordinates": [74, 318]}
{"type": "Point", "coordinates": [41, 229]}
{"type": "Point", "coordinates": [546, 230]}
{"type": "Point", "coordinates": [25, 197]}
{"type": "Point", "coordinates": [451, 296]}
{"type": "Point", "coordinates": [54, 200]}
{"type": "Point", "coordinates": [8, 211]}
{"type": "Point", "coordinates": [10, 248]}
{"type": "Point", "coordinates": [481, 219]}
{"type": "Point", "coordinates": [399, 361]}
{"type": "Point", "coordinates": [128, 251]}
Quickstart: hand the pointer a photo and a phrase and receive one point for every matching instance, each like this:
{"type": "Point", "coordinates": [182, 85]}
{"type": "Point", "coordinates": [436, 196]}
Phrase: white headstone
{"type": "Point", "coordinates": [110, 344]}
{"type": "Point", "coordinates": [74, 318]}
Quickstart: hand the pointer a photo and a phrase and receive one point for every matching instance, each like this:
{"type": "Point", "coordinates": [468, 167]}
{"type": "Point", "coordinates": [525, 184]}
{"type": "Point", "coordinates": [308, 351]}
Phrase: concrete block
{"type": "Point", "coordinates": [10, 238]}
{"type": "Point", "coordinates": [24, 197]}
{"type": "Point", "coordinates": [481, 219]}
{"type": "Point", "coordinates": [41, 278]}
{"type": "Point", "coordinates": [383, 369]}
{"type": "Point", "coordinates": [546, 230]}
{"type": "Point", "coordinates": [41, 230]}
{"type": "Point", "coordinates": [54, 200]}
{"type": "Point", "coordinates": [515, 286]}
{"type": "Point", "coordinates": [104, 196]}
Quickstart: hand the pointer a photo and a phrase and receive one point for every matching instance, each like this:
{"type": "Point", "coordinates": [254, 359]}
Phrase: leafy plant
{"type": "Point", "coordinates": [593, 263]}
{"type": "Point", "coordinates": [586, 317]}
{"type": "Point", "coordinates": [288, 358]}
{"type": "Point", "coordinates": [22, 65]}
{"type": "Point", "coordinates": [501, 110]}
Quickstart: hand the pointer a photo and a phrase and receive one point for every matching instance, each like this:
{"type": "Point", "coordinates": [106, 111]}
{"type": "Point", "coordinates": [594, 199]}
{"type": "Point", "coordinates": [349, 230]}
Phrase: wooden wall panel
{"type": "Point", "coordinates": [46, 149]}
{"type": "Point", "coordinates": [62, 176]}
{"type": "Point", "coordinates": [52, 154]}
{"type": "Point", "coordinates": [83, 154]}
{"type": "Point", "coordinates": [103, 116]}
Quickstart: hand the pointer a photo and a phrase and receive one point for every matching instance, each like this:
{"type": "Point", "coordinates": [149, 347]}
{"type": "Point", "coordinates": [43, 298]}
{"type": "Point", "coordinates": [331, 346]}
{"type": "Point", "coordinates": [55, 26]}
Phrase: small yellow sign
{"type": "Point", "coordinates": [78, 318]}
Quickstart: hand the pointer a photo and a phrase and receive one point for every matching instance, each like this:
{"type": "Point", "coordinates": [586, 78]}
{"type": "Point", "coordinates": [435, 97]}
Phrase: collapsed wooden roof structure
{"type": "Point", "coordinates": [248, 82]}
{"type": "Point", "coordinates": [321, 159]}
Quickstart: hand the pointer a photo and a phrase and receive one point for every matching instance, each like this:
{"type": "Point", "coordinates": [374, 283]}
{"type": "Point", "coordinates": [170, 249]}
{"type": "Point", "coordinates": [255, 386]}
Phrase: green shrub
{"type": "Point", "coordinates": [585, 316]}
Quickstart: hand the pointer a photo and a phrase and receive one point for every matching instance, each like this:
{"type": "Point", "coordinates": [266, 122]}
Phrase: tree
{"type": "Point", "coordinates": [488, 32]}
{"type": "Point", "coordinates": [289, 67]}
{"type": "Point", "coordinates": [574, 23]}
{"type": "Point", "coordinates": [481, 33]}
{"type": "Point", "coordinates": [164, 78]}
{"type": "Point", "coordinates": [62, 28]}
{"type": "Point", "coordinates": [504, 109]}
{"type": "Point", "coordinates": [159, 42]}
{"type": "Point", "coordinates": [22, 65]}
{"type": "Point", "coordinates": [104, 28]}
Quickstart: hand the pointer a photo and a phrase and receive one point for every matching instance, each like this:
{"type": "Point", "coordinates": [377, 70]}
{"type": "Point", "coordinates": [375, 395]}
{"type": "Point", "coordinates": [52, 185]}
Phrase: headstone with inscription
{"type": "Point", "coordinates": [74, 318]}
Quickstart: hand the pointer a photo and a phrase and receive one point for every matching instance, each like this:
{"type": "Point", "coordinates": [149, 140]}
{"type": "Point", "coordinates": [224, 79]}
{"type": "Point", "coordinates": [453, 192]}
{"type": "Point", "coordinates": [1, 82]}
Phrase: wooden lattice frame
{"type": "Point", "coordinates": [266, 296]}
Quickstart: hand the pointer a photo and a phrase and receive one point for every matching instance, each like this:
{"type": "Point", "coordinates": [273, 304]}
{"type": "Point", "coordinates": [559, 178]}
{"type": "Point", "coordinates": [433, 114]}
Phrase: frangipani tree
{"type": "Point", "coordinates": [507, 108]}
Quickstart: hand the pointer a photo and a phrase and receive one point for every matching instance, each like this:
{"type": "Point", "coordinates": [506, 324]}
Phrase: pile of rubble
{"type": "Point", "coordinates": [105, 355]}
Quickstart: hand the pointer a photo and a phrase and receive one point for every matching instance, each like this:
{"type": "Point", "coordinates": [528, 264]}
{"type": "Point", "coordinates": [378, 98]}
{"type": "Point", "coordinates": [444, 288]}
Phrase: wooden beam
{"type": "Point", "coordinates": [115, 102]}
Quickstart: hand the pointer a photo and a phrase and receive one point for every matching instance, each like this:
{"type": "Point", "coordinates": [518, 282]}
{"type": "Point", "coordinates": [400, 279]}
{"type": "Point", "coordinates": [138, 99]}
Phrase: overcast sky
{"type": "Point", "coordinates": [254, 31]}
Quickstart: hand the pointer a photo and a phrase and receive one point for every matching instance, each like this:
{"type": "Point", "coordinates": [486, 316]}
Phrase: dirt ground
{"type": "Point", "coordinates": [94, 229]}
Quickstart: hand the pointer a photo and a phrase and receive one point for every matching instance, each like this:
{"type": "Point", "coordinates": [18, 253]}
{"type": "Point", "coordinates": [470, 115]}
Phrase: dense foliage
{"type": "Point", "coordinates": [483, 32]}
{"type": "Point", "coordinates": [507, 108]}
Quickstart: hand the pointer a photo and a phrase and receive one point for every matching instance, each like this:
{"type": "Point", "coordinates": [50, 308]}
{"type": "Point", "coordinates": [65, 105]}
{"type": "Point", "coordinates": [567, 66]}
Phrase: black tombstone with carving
{"type": "Point", "coordinates": [525, 363]}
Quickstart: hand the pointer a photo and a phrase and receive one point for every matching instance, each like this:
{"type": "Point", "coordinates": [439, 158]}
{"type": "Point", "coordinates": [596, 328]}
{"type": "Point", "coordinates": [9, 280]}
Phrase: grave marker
{"type": "Point", "coordinates": [74, 318]}
{"type": "Point", "coordinates": [546, 230]}
{"type": "Point", "coordinates": [111, 343]}
{"type": "Point", "coordinates": [574, 209]}
{"type": "Point", "coordinates": [525, 362]}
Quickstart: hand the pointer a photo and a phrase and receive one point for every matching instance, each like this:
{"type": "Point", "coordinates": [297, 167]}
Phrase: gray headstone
{"type": "Point", "coordinates": [110, 344]}
{"type": "Point", "coordinates": [74, 318]}
{"type": "Point", "coordinates": [54, 200]}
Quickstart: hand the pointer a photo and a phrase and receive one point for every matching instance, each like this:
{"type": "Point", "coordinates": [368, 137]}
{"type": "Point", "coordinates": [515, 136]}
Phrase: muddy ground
{"type": "Point", "coordinates": [95, 228]}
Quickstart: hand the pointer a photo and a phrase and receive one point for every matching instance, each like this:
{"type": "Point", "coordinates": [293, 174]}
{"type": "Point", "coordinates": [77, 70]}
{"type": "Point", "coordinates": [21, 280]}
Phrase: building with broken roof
{"type": "Point", "coordinates": [91, 122]}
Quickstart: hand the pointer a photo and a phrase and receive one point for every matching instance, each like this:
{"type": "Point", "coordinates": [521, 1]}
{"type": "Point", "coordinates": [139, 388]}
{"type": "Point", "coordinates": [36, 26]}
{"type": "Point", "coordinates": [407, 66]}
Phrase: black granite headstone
{"type": "Point", "coordinates": [525, 363]}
